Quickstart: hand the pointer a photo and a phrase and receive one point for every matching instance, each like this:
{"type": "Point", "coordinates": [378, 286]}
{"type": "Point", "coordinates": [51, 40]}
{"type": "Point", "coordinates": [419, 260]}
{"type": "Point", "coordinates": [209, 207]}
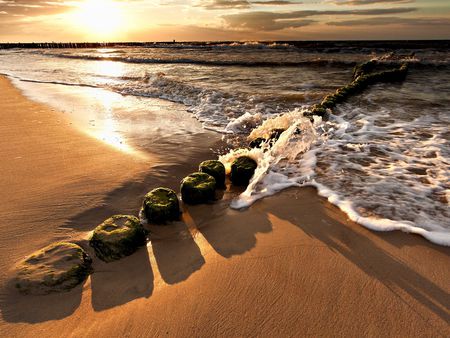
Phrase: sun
{"type": "Point", "coordinates": [100, 19]}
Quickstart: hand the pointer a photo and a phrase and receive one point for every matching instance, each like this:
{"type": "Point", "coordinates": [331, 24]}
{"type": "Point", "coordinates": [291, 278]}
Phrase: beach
{"type": "Point", "coordinates": [289, 265]}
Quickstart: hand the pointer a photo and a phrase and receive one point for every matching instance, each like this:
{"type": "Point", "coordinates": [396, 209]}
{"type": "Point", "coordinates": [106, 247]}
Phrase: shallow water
{"type": "Point", "coordinates": [383, 157]}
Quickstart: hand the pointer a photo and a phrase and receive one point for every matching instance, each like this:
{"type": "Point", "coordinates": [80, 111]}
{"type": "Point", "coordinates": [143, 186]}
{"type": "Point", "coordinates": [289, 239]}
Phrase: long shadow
{"type": "Point", "coordinates": [176, 253]}
{"type": "Point", "coordinates": [122, 281]}
{"type": "Point", "coordinates": [18, 308]}
{"type": "Point", "coordinates": [127, 198]}
{"type": "Point", "coordinates": [226, 230]}
{"type": "Point", "coordinates": [369, 257]}
{"type": "Point", "coordinates": [114, 283]}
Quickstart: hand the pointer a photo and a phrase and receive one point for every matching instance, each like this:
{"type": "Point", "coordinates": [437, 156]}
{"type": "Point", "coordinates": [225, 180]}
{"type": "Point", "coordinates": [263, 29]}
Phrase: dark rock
{"type": "Point", "coordinates": [117, 237]}
{"type": "Point", "coordinates": [271, 140]}
{"type": "Point", "coordinates": [161, 206]}
{"type": "Point", "coordinates": [198, 188]}
{"type": "Point", "coordinates": [318, 110]}
{"type": "Point", "coordinates": [364, 68]}
{"type": "Point", "coordinates": [257, 143]}
{"type": "Point", "coordinates": [57, 267]}
{"type": "Point", "coordinates": [275, 134]}
{"type": "Point", "coordinates": [242, 170]}
{"type": "Point", "coordinates": [216, 169]}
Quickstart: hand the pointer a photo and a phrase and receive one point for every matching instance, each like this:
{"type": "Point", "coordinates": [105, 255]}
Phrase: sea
{"type": "Point", "coordinates": [382, 157]}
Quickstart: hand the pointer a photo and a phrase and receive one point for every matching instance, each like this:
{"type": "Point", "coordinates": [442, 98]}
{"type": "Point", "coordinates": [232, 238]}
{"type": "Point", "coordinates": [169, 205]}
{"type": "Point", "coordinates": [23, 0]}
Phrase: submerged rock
{"type": "Point", "coordinates": [363, 76]}
{"type": "Point", "coordinates": [364, 68]}
{"type": "Point", "coordinates": [216, 169]}
{"type": "Point", "coordinates": [161, 206]}
{"type": "Point", "coordinates": [198, 188]}
{"type": "Point", "coordinates": [318, 110]}
{"type": "Point", "coordinates": [117, 237]}
{"type": "Point", "coordinates": [273, 137]}
{"type": "Point", "coordinates": [257, 142]}
{"type": "Point", "coordinates": [242, 170]}
{"type": "Point", "coordinates": [275, 134]}
{"type": "Point", "coordinates": [57, 267]}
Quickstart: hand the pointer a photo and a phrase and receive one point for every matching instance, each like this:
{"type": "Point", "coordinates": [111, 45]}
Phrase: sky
{"type": "Point", "coordinates": [219, 20]}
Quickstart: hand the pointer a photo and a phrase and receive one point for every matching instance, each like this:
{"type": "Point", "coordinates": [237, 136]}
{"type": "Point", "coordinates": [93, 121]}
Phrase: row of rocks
{"type": "Point", "coordinates": [122, 235]}
{"type": "Point", "coordinates": [62, 266]}
{"type": "Point", "coordinates": [364, 75]}
{"type": "Point", "coordinates": [161, 205]}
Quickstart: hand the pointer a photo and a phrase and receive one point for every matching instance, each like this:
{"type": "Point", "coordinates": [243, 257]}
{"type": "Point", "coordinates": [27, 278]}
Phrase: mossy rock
{"type": "Point", "coordinates": [363, 76]}
{"type": "Point", "coordinates": [58, 267]}
{"type": "Point", "coordinates": [117, 237]}
{"type": "Point", "coordinates": [242, 170]}
{"type": "Point", "coordinates": [328, 102]}
{"type": "Point", "coordinates": [161, 206]}
{"type": "Point", "coordinates": [216, 169]}
{"type": "Point", "coordinates": [319, 110]}
{"type": "Point", "coordinates": [364, 68]}
{"type": "Point", "coordinates": [198, 188]}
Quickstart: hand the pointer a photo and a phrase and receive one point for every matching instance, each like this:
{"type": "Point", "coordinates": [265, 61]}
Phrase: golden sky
{"type": "Point", "coordinates": [162, 20]}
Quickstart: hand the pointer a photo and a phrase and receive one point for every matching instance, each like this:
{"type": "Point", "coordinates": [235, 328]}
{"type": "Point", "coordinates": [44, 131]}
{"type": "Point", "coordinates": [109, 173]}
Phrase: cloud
{"type": "Point", "coordinates": [242, 4]}
{"type": "Point", "coordinates": [369, 2]}
{"type": "Point", "coordinates": [269, 21]}
{"type": "Point", "coordinates": [224, 4]}
{"type": "Point", "coordinates": [34, 7]}
{"type": "Point", "coordinates": [377, 21]}
{"type": "Point", "coordinates": [276, 3]}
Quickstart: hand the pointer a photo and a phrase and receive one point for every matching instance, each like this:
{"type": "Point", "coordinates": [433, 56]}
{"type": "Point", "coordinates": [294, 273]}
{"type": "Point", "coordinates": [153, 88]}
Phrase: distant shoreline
{"type": "Point", "coordinates": [389, 44]}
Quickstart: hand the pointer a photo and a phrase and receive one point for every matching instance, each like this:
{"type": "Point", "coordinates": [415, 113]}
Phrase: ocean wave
{"type": "Point", "coordinates": [62, 83]}
{"type": "Point", "coordinates": [216, 109]}
{"type": "Point", "coordinates": [224, 63]}
{"type": "Point", "coordinates": [311, 60]}
{"type": "Point", "coordinates": [385, 177]}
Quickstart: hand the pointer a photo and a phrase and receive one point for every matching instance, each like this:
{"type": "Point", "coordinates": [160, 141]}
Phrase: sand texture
{"type": "Point", "coordinates": [292, 265]}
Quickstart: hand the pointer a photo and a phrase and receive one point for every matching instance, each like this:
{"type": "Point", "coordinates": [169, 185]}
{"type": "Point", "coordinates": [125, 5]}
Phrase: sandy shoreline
{"type": "Point", "coordinates": [291, 265]}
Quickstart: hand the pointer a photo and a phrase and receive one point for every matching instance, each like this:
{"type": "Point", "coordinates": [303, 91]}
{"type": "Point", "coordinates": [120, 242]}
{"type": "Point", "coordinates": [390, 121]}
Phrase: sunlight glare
{"type": "Point", "coordinates": [102, 19]}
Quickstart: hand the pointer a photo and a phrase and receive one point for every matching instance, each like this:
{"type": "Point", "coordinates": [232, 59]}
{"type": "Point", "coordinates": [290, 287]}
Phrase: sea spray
{"type": "Point", "coordinates": [276, 161]}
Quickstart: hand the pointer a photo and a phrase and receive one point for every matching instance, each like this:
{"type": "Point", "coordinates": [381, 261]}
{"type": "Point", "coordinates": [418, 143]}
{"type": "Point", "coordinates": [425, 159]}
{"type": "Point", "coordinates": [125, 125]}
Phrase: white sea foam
{"type": "Point", "coordinates": [278, 166]}
{"type": "Point", "coordinates": [383, 158]}
{"type": "Point", "coordinates": [389, 177]}
{"type": "Point", "coordinates": [214, 108]}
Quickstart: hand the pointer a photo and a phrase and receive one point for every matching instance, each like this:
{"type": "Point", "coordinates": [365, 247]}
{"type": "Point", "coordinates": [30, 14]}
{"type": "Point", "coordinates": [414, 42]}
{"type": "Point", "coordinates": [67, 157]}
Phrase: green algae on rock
{"type": "Point", "coordinates": [117, 237]}
{"type": "Point", "coordinates": [364, 68]}
{"type": "Point", "coordinates": [242, 170]}
{"type": "Point", "coordinates": [198, 188]}
{"type": "Point", "coordinates": [216, 169]}
{"type": "Point", "coordinates": [363, 76]}
{"type": "Point", "coordinates": [57, 267]}
{"type": "Point", "coordinates": [161, 205]}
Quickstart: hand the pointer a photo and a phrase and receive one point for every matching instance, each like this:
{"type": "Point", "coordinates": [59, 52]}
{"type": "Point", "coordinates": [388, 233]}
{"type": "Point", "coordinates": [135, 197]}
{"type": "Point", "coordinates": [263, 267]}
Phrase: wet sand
{"type": "Point", "coordinates": [291, 265]}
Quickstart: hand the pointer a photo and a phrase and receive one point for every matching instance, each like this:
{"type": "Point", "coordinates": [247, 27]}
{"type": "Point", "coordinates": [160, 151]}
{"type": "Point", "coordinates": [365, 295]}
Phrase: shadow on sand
{"type": "Point", "coordinates": [18, 308]}
{"type": "Point", "coordinates": [176, 253]}
{"type": "Point", "coordinates": [122, 281]}
{"type": "Point", "coordinates": [354, 243]}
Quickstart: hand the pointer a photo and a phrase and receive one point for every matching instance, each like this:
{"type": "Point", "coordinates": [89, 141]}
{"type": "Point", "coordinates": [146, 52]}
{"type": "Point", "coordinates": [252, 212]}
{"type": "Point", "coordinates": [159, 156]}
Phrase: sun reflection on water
{"type": "Point", "coordinates": [106, 128]}
{"type": "Point", "coordinates": [108, 70]}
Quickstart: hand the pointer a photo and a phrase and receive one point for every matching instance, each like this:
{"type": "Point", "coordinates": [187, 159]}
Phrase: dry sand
{"type": "Point", "coordinates": [291, 265]}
